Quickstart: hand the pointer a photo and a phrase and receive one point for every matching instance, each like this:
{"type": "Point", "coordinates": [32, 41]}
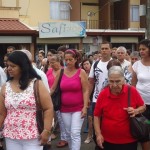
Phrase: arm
{"type": "Point", "coordinates": [55, 83]}
{"type": "Point", "coordinates": [47, 107]}
{"type": "Point", "coordinates": [133, 112]}
{"type": "Point", "coordinates": [99, 137]}
{"type": "Point", "coordinates": [134, 78]}
{"type": "Point", "coordinates": [3, 111]}
{"type": "Point", "coordinates": [85, 90]}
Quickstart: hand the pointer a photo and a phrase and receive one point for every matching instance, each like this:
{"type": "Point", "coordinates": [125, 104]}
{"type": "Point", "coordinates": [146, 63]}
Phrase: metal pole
{"type": "Point", "coordinates": [148, 20]}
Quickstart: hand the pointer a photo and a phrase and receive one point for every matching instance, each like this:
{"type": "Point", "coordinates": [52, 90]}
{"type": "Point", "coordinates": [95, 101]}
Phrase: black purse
{"type": "Point", "coordinates": [39, 110]}
{"type": "Point", "coordinates": [138, 124]}
{"type": "Point", "coordinates": [56, 96]}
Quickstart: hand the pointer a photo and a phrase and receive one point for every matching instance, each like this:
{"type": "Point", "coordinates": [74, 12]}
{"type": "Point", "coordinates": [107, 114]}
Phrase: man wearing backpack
{"type": "Point", "coordinates": [98, 74]}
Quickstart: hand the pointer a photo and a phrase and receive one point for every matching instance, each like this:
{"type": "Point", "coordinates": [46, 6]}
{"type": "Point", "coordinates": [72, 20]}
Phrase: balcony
{"type": "Point", "coordinates": [100, 24]}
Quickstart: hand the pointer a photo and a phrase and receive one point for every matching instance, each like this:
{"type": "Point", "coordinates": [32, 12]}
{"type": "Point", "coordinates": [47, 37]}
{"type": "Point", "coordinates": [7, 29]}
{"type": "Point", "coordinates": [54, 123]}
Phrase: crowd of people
{"type": "Point", "coordinates": [94, 87]}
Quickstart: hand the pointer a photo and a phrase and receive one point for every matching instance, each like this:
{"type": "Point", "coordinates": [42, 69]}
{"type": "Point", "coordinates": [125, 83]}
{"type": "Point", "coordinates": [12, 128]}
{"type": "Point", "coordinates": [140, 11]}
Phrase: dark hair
{"type": "Point", "coordinates": [53, 51]}
{"type": "Point", "coordinates": [11, 47]}
{"type": "Point", "coordinates": [90, 55]}
{"type": "Point", "coordinates": [62, 48]}
{"type": "Point", "coordinates": [106, 42]}
{"type": "Point", "coordinates": [145, 42]}
{"type": "Point", "coordinates": [27, 72]}
{"type": "Point", "coordinates": [75, 54]}
{"type": "Point", "coordinates": [86, 59]}
{"type": "Point", "coordinates": [113, 62]}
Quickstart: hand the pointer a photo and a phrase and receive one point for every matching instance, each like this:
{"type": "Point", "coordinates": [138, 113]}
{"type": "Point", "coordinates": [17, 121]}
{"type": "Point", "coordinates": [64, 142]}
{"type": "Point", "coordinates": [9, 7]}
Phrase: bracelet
{"type": "Point", "coordinates": [49, 132]}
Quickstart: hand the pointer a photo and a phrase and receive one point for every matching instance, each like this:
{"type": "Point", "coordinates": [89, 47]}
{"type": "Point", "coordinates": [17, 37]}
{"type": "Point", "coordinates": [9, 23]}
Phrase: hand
{"type": "Point", "coordinates": [100, 141]}
{"type": "Point", "coordinates": [131, 111]}
{"type": "Point", "coordinates": [44, 137]}
{"type": "Point", "coordinates": [84, 112]}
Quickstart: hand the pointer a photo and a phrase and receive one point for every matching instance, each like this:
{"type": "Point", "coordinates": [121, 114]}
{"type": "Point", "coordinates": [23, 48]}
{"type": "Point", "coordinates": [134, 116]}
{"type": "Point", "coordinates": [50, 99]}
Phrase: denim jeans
{"type": "Point", "coordinates": [73, 124]}
{"type": "Point", "coordinates": [15, 144]}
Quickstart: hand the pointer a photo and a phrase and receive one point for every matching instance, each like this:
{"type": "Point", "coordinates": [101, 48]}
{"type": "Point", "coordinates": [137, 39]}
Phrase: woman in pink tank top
{"type": "Point", "coordinates": [74, 98]}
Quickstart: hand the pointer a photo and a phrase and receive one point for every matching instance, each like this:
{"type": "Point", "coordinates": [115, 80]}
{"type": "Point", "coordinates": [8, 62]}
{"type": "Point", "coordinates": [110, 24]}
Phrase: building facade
{"type": "Point", "coordinates": [117, 21]}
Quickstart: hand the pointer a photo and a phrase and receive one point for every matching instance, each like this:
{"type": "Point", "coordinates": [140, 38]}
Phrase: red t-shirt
{"type": "Point", "coordinates": [115, 120]}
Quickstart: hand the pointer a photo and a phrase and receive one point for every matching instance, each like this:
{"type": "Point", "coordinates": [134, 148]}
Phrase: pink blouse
{"type": "Point", "coordinates": [50, 77]}
{"type": "Point", "coordinates": [20, 122]}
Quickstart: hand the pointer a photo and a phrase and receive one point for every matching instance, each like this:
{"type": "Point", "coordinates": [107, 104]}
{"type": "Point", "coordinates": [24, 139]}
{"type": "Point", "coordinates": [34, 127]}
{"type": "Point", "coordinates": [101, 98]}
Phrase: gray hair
{"type": "Point", "coordinates": [116, 70]}
{"type": "Point", "coordinates": [135, 54]}
{"type": "Point", "coordinates": [121, 48]}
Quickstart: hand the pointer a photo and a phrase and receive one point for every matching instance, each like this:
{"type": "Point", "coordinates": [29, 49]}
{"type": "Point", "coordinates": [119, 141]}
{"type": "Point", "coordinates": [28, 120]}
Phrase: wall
{"type": "Point", "coordinates": [33, 12]}
{"type": "Point", "coordinates": [7, 13]}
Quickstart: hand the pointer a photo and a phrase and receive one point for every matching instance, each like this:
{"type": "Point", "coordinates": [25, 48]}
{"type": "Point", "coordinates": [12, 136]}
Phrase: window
{"type": "Point", "coordinates": [59, 10]}
{"type": "Point", "coordinates": [134, 13]}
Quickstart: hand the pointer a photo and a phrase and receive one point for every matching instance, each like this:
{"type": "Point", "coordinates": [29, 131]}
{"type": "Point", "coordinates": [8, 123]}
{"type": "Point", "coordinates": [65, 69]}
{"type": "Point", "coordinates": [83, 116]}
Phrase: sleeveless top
{"type": "Point", "coordinates": [20, 122]}
{"type": "Point", "coordinates": [71, 93]}
{"type": "Point", "coordinates": [50, 77]}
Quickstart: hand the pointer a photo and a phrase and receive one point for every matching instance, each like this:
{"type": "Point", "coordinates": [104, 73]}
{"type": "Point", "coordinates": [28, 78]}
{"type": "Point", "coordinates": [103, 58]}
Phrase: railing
{"type": "Point", "coordinates": [100, 24]}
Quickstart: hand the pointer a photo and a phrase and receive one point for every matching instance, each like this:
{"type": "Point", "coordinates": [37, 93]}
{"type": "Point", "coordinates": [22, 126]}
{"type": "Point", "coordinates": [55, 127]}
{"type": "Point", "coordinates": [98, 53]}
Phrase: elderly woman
{"type": "Point", "coordinates": [113, 130]}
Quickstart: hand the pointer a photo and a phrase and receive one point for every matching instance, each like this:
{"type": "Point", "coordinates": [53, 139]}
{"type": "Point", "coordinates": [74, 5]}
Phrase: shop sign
{"type": "Point", "coordinates": [62, 29]}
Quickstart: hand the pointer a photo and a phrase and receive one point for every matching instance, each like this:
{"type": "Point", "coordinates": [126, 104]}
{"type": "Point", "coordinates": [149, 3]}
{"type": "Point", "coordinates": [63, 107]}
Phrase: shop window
{"type": "Point", "coordinates": [59, 10]}
{"type": "Point", "coordinates": [134, 13]}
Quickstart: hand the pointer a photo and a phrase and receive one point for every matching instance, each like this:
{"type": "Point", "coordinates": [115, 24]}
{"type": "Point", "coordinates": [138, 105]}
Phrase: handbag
{"type": "Point", "coordinates": [56, 96]}
{"type": "Point", "coordinates": [139, 124]}
{"type": "Point", "coordinates": [39, 110]}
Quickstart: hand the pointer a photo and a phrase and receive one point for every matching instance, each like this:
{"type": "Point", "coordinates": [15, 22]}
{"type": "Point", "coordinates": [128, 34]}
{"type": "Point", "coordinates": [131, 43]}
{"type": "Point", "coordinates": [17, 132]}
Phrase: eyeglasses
{"type": "Point", "coordinates": [117, 82]}
{"type": "Point", "coordinates": [120, 53]}
{"type": "Point", "coordinates": [134, 58]}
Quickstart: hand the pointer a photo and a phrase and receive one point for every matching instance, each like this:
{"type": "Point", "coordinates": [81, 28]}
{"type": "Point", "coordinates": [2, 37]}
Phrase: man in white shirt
{"type": "Point", "coordinates": [99, 75]}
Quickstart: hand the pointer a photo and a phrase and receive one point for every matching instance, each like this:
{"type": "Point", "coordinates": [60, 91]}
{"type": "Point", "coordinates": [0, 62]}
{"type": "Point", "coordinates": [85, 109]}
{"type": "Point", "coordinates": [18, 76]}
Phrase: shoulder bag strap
{"type": "Point", "coordinates": [129, 93]}
{"type": "Point", "coordinates": [60, 76]}
{"type": "Point", "coordinates": [36, 94]}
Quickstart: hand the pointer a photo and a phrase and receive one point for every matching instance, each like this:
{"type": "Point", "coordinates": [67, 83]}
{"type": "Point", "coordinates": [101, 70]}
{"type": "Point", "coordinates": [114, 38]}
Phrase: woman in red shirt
{"type": "Point", "coordinates": [113, 130]}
